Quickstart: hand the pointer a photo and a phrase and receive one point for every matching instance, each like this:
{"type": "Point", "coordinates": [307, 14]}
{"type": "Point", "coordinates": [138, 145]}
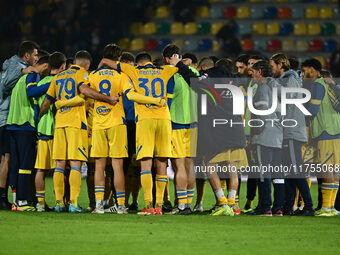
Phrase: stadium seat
{"type": "Point", "coordinates": [256, 12]}
{"type": "Point", "coordinates": [190, 28]}
{"type": "Point", "coordinates": [311, 13]}
{"type": "Point", "coordinates": [273, 29]}
{"type": "Point", "coordinates": [254, 1]}
{"type": "Point", "coordinates": [202, 12]}
{"type": "Point", "coordinates": [244, 29]}
{"type": "Point", "coordinates": [297, 12]}
{"type": "Point", "coordinates": [137, 44]}
{"type": "Point", "coordinates": [329, 46]}
{"type": "Point", "coordinates": [281, 1]}
{"type": "Point", "coordinates": [215, 27]}
{"type": "Point", "coordinates": [270, 12]}
{"type": "Point", "coordinates": [314, 29]}
{"type": "Point", "coordinates": [29, 11]}
{"type": "Point", "coordinates": [338, 29]}
{"type": "Point", "coordinates": [136, 28]}
{"type": "Point", "coordinates": [162, 43]}
{"type": "Point", "coordinates": [215, 46]}
{"type": "Point", "coordinates": [161, 12]}
{"type": "Point", "coordinates": [322, 60]}
{"type": "Point", "coordinates": [286, 28]}
{"type": "Point", "coordinates": [300, 29]}
{"type": "Point", "coordinates": [203, 28]}
{"type": "Point", "coordinates": [283, 12]}
{"type": "Point", "coordinates": [260, 45]}
{"type": "Point", "coordinates": [179, 43]}
{"type": "Point", "coordinates": [163, 28]}
{"type": "Point", "coordinates": [243, 12]}
{"type": "Point", "coordinates": [315, 45]}
{"type": "Point", "coordinates": [326, 13]}
{"type": "Point", "coordinates": [301, 46]}
{"type": "Point", "coordinates": [190, 45]}
{"type": "Point", "coordinates": [216, 12]}
{"type": "Point", "coordinates": [213, 1]}
{"type": "Point", "coordinates": [151, 44]}
{"type": "Point", "coordinates": [288, 45]}
{"type": "Point", "coordinates": [336, 12]}
{"type": "Point", "coordinates": [274, 45]}
{"type": "Point", "coordinates": [259, 29]}
{"type": "Point", "coordinates": [229, 12]}
{"type": "Point", "coordinates": [327, 29]}
{"type": "Point", "coordinates": [149, 28]}
{"type": "Point", "coordinates": [124, 43]}
{"type": "Point", "coordinates": [205, 45]}
{"type": "Point", "coordinates": [247, 44]}
{"type": "Point", "coordinates": [177, 28]}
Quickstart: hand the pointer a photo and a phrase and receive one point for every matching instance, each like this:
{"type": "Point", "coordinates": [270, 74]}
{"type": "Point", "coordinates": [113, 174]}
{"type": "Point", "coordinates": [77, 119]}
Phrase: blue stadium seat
{"type": "Point", "coordinates": [162, 43]}
{"type": "Point", "coordinates": [245, 29]}
{"type": "Point", "coordinates": [190, 45]}
{"type": "Point", "coordinates": [215, 12]}
{"type": "Point", "coordinates": [270, 12]}
{"type": "Point", "coordinates": [205, 45]}
{"type": "Point", "coordinates": [297, 12]}
{"type": "Point", "coordinates": [286, 28]}
{"type": "Point", "coordinates": [329, 46]}
{"type": "Point", "coordinates": [260, 45]}
{"type": "Point", "coordinates": [256, 12]}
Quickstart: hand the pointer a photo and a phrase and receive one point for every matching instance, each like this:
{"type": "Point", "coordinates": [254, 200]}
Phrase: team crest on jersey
{"type": "Point", "coordinates": [65, 109]}
{"type": "Point", "coordinates": [102, 110]}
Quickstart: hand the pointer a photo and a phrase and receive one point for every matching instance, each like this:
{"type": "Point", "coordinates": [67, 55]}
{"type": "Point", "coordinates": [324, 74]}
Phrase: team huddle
{"type": "Point", "coordinates": [127, 118]}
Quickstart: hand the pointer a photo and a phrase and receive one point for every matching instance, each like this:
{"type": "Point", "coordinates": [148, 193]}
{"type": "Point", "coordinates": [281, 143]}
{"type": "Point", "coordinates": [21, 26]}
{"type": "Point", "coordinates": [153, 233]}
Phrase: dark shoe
{"type": "Point", "coordinates": [260, 213]}
{"type": "Point", "coordinates": [287, 212]}
{"type": "Point", "coordinates": [278, 213]}
{"type": "Point", "coordinates": [5, 205]}
{"type": "Point", "coordinates": [304, 212]}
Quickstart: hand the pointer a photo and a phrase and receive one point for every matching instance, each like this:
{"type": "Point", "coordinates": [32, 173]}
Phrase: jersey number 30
{"type": "Point", "coordinates": [155, 82]}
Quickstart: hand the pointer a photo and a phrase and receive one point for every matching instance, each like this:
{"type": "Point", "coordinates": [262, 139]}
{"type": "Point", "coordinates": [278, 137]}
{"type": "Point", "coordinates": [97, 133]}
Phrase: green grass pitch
{"type": "Point", "coordinates": [51, 233]}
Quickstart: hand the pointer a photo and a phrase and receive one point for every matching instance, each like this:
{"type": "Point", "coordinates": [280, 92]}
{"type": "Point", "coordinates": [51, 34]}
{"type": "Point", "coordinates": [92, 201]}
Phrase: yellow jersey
{"type": "Point", "coordinates": [90, 112]}
{"type": "Point", "coordinates": [108, 82]}
{"type": "Point", "coordinates": [65, 86]}
{"type": "Point", "coordinates": [151, 81]}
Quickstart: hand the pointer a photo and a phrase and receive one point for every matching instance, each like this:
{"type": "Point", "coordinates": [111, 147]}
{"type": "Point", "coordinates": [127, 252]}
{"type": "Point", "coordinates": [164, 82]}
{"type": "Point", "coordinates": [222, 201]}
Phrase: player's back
{"type": "Point", "coordinates": [64, 86]}
{"type": "Point", "coordinates": [108, 82]}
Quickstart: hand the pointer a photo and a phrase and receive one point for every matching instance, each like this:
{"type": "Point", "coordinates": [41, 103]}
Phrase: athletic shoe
{"type": "Point", "coordinates": [198, 207]}
{"type": "Point", "coordinates": [40, 207]}
{"type": "Point", "coordinates": [222, 211]}
{"type": "Point", "coordinates": [247, 208]}
{"type": "Point", "coordinates": [187, 211]}
{"type": "Point", "coordinates": [99, 209]}
{"type": "Point", "coordinates": [14, 206]}
{"type": "Point", "coordinates": [73, 209]}
{"type": "Point", "coordinates": [174, 211]}
{"type": "Point", "coordinates": [145, 211]}
{"type": "Point", "coordinates": [59, 208]}
{"type": "Point", "coordinates": [121, 209]}
{"type": "Point", "coordinates": [25, 208]}
{"type": "Point", "coordinates": [323, 212]}
{"type": "Point", "coordinates": [336, 213]}
{"type": "Point", "coordinates": [111, 209]}
{"type": "Point", "coordinates": [236, 209]}
{"type": "Point", "coordinates": [287, 212]}
{"type": "Point", "coordinates": [133, 206]}
{"type": "Point", "coordinates": [278, 213]}
{"type": "Point", "coordinates": [304, 212]}
{"type": "Point", "coordinates": [260, 213]}
{"type": "Point", "coordinates": [5, 205]}
{"type": "Point", "coordinates": [158, 211]}
{"type": "Point", "coordinates": [167, 206]}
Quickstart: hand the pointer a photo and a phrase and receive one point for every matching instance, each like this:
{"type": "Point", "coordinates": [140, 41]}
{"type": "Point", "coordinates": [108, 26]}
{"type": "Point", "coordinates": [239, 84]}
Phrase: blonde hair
{"type": "Point", "coordinates": [282, 59]}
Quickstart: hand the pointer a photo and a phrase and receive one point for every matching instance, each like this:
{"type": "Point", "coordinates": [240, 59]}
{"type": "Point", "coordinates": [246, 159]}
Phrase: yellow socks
{"type": "Point", "coordinates": [326, 190]}
{"type": "Point", "coordinates": [120, 197]}
{"type": "Point", "coordinates": [181, 198]}
{"type": "Point", "coordinates": [334, 193]}
{"type": "Point", "coordinates": [59, 185]}
{"type": "Point", "coordinates": [161, 181]}
{"type": "Point", "coordinates": [221, 199]}
{"type": "Point", "coordinates": [40, 196]}
{"type": "Point", "coordinates": [99, 192]}
{"type": "Point", "coordinates": [190, 195]}
{"type": "Point", "coordinates": [146, 183]}
{"type": "Point", "coordinates": [231, 197]}
{"type": "Point", "coordinates": [75, 183]}
{"type": "Point", "coordinates": [224, 185]}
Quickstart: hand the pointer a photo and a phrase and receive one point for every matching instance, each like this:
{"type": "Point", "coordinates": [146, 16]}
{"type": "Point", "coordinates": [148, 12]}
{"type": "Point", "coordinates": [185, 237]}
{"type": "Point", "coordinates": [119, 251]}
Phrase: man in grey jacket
{"type": "Point", "coordinates": [267, 139]}
{"type": "Point", "coordinates": [293, 138]}
{"type": "Point", "coordinates": [12, 70]}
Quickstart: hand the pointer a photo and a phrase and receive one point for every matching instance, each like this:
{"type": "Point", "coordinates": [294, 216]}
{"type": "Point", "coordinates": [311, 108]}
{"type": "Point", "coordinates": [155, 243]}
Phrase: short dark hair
{"type": "Point", "coordinates": [43, 60]}
{"type": "Point", "coordinates": [170, 50]}
{"type": "Point", "coordinates": [214, 59]}
{"type": "Point", "coordinates": [83, 54]}
{"type": "Point", "coordinates": [325, 73]}
{"type": "Point", "coordinates": [112, 51]}
{"type": "Point", "coordinates": [294, 63]}
{"type": "Point", "coordinates": [27, 47]}
{"type": "Point", "coordinates": [69, 61]}
{"type": "Point", "coordinates": [143, 56]}
{"type": "Point", "coordinates": [56, 60]}
{"type": "Point", "coordinates": [192, 56]}
{"type": "Point", "coordinates": [256, 57]}
{"type": "Point", "coordinates": [264, 67]}
{"type": "Point", "coordinates": [157, 62]}
{"type": "Point", "coordinates": [312, 62]}
{"type": "Point", "coordinates": [242, 59]}
{"type": "Point", "coordinates": [42, 53]}
{"type": "Point", "coordinates": [127, 57]}
{"type": "Point", "coordinates": [226, 62]}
